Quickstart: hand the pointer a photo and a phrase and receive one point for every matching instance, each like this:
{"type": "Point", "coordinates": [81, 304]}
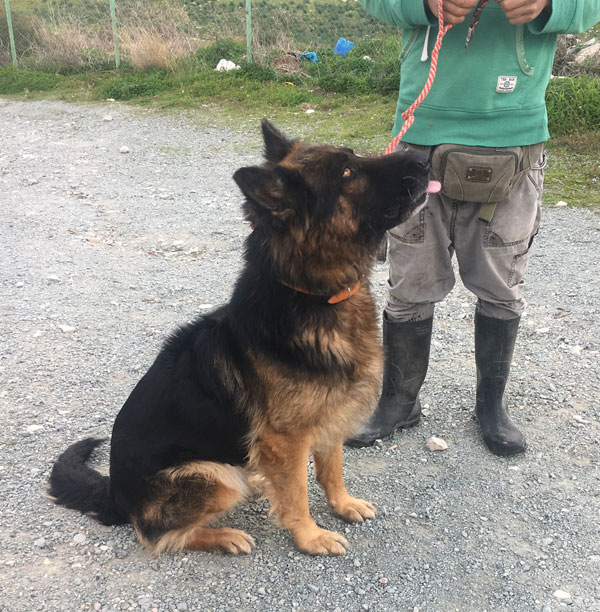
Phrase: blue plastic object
{"type": "Point", "coordinates": [343, 46]}
{"type": "Point", "coordinates": [311, 56]}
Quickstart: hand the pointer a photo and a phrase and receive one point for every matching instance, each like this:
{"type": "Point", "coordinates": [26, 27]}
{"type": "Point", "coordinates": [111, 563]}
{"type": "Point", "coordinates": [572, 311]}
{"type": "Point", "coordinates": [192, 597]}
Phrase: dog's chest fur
{"type": "Point", "coordinates": [333, 402]}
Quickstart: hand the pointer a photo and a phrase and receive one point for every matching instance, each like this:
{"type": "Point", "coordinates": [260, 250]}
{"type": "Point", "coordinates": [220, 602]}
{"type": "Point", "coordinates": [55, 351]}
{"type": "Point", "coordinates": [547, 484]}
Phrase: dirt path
{"type": "Point", "coordinates": [103, 253]}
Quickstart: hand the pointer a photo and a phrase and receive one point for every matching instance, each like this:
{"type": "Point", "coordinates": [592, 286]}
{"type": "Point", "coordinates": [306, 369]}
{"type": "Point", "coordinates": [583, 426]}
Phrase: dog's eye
{"type": "Point", "coordinates": [347, 172]}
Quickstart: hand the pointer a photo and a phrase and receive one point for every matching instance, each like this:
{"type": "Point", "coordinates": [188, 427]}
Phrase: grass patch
{"type": "Point", "coordinates": [17, 81]}
{"type": "Point", "coordinates": [573, 104]}
{"type": "Point", "coordinates": [573, 172]}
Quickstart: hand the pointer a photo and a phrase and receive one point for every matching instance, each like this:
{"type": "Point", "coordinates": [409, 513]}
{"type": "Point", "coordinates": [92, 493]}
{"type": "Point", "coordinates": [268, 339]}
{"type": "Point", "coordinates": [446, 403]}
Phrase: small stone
{"type": "Point", "coordinates": [436, 444]}
{"type": "Point", "coordinates": [314, 588]}
{"type": "Point", "coordinates": [542, 330]}
{"type": "Point", "coordinates": [562, 595]}
{"type": "Point", "coordinates": [66, 329]}
{"type": "Point", "coordinates": [309, 111]}
{"type": "Point", "coordinates": [40, 543]}
{"type": "Point", "coordinates": [580, 420]}
{"type": "Point", "coordinates": [79, 538]}
{"type": "Point", "coordinates": [97, 606]}
{"type": "Point", "coordinates": [107, 118]}
{"type": "Point", "coordinates": [261, 591]}
{"type": "Point", "coordinates": [356, 563]}
{"type": "Point", "coordinates": [120, 553]}
{"type": "Point", "coordinates": [561, 204]}
{"type": "Point", "coordinates": [182, 606]}
{"type": "Point", "coordinates": [33, 428]}
{"type": "Point", "coordinates": [383, 580]}
{"type": "Point", "coordinates": [576, 350]}
{"type": "Point", "coordinates": [124, 150]}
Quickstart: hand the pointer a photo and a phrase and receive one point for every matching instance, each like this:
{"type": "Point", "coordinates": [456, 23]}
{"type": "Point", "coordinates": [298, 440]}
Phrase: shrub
{"type": "Point", "coordinates": [135, 86]}
{"type": "Point", "coordinates": [225, 48]}
{"type": "Point", "coordinates": [573, 105]}
{"type": "Point", "coordinates": [254, 72]}
{"type": "Point", "coordinates": [16, 80]}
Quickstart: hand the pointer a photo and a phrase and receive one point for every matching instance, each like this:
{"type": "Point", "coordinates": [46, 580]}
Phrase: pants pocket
{"type": "Point", "coordinates": [517, 218]}
{"type": "Point", "coordinates": [412, 231]}
{"type": "Point", "coordinates": [519, 266]}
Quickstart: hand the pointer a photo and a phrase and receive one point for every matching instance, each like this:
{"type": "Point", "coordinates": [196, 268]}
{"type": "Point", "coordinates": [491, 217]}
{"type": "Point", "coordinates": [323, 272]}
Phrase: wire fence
{"type": "Point", "coordinates": [141, 33]}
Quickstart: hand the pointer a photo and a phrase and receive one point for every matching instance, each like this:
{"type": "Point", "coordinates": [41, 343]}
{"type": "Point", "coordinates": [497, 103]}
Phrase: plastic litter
{"type": "Point", "coordinates": [225, 64]}
{"type": "Point", "coordinates": [343, 46]}
{"type": "Point", "coordinates": [311, 56]}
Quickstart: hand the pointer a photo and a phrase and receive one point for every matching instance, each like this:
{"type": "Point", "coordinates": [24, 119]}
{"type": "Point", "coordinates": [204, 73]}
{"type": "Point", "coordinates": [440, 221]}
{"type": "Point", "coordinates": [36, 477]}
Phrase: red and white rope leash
{"type": "Point", "coordinates": [409, 114]}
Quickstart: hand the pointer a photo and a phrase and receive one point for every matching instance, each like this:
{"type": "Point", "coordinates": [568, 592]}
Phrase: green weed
{"type": "Point", "coordinates": [573, 105]}
{"type": "Point", "coordinates": [18, 80]}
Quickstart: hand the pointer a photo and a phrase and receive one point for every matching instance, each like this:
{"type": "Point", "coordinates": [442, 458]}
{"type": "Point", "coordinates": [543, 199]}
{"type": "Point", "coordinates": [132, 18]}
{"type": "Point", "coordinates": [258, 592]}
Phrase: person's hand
{"type": "Point", "coordinates": [523, 11]}
{"type": "Point", "coordinates": [455, 11]}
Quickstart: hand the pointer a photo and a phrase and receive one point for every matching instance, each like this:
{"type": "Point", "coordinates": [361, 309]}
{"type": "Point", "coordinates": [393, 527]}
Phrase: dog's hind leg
{"type": "Point", "coordinates": [283, 460]}
{"type": "Point", "coordinates": [183, 499]}
{"type": "Point", "coordinates": [328, 469]}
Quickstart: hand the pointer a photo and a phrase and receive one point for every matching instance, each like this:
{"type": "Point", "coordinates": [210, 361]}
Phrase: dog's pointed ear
{"type": "Point", "coordinates": [277, 146]}
{"type": "Point", "coordinates": [268, 187]}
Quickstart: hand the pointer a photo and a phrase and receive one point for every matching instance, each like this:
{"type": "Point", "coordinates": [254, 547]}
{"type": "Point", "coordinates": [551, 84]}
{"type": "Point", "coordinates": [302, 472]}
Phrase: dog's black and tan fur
{"type": "Point", "coordinates": [272, 376]}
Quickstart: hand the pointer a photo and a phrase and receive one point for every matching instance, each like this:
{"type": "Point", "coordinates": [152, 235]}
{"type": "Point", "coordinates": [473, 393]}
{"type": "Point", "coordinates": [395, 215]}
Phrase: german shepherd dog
{"type": "Point", "coordinates": [290, 366]}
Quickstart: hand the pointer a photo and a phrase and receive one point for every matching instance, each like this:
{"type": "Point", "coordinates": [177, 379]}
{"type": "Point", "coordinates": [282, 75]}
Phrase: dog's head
{"type": "Point", "coordinates": [326, 208]}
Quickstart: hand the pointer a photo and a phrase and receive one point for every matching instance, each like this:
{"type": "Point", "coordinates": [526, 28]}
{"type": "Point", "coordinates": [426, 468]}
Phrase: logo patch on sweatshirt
{"type": "Point", "coordinates": [506, 84]}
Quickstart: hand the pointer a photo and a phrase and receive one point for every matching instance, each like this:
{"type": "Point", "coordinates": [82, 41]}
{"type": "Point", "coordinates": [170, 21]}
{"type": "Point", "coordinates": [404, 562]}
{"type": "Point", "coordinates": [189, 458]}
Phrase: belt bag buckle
{"type": "Point", "coordinates": [481, 174]}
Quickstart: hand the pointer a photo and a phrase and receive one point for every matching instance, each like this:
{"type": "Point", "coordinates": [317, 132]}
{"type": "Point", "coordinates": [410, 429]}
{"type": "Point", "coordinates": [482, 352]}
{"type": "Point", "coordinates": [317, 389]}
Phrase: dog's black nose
{"type": "Point", "coordinates": [422, 159]}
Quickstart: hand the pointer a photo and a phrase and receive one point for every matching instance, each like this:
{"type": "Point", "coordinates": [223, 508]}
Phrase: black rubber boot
{"type": "Point", "coordinates": [494, 344]}
{"type": "Point", "coordinates": [406, 348]}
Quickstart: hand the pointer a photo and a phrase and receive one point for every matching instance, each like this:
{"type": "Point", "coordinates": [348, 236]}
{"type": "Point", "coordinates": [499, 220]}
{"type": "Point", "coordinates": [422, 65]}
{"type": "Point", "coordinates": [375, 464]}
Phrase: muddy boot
{"type": "Point", "coordinates": [494, 343]}
{"type": "Point", "coordinates": [406, 348]}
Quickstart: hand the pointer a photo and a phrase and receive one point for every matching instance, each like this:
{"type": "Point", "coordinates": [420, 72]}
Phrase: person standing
{"type": "Point", "coordinates": [483, 124]}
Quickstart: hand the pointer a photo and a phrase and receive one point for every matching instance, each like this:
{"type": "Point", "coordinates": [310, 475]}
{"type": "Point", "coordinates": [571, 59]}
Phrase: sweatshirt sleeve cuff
{"type": "Point", "coordinates": [415, 13]}
{"type": "Point", "coordinates": [556, 20]}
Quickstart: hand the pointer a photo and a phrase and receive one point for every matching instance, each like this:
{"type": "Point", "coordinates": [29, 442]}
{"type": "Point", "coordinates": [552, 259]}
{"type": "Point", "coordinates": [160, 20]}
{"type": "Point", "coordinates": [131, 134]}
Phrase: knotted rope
{"type": "Point", "coordinates": [409, 114]}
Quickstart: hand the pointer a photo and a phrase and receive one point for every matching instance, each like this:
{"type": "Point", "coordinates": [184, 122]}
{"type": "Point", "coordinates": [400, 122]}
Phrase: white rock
{"type": "Point", "coordinates": [310, 111]}
{"type": "Point", "coordinates": [436, 444]}
{"type": "Point", "coordinates": [580, 419]}
{"type": "Point", "coordinates": [107, 118]}
{"type": "Point", "coordinates": [124, 149]}
{"type": "Point", "coordinates": [589, 52]}
{"type": "Point", "coordinates": [576, 350]}
{"type": "Point", "coordinates": [562, 595]}
{"type": "Point", "coordinates": [33, 428]}
{"type": "Point", "coordinates": [79, 538]}
{"type": "Point", "coordinates": [66, 329]}
{"type": "Point", "coordinates": [561, 204]}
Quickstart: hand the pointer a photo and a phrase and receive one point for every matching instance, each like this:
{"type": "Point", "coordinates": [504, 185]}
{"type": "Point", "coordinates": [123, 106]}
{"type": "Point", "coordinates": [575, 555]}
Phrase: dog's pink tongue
{"type": "Point", "coordinates": [434, 187]}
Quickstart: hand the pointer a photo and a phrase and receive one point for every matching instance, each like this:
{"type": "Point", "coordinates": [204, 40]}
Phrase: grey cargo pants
{"type": "Point", "coordinates": [492, 256]}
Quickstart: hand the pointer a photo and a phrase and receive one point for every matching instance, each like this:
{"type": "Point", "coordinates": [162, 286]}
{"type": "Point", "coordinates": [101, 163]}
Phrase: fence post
{"type": "Point", "coordinates": [113, 15]}
{"type": "Point", "coordinates": [11, 34]}
{"type": "Point", "coordinates": [249, 30]}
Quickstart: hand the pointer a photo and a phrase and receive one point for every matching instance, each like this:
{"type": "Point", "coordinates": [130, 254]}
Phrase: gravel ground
{"type": "Point", "coordinates": [103, 252]}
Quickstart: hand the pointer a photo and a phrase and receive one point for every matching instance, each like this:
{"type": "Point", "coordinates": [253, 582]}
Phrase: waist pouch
{"type": "Point", "coordinates": [481, 174]}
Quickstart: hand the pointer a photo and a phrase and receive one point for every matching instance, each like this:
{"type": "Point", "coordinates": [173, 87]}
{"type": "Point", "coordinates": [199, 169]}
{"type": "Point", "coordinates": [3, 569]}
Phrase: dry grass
{"type": "Point", "coordinates": [151, 35]}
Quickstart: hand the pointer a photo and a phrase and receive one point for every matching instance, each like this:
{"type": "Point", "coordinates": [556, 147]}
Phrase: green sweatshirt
{"type": "Point", "coordinates": [491, 95]}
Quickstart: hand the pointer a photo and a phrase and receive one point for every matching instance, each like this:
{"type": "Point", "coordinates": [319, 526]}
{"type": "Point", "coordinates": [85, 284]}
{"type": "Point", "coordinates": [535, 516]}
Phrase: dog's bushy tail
{"type": "Point", "coordinates": [75, 485]}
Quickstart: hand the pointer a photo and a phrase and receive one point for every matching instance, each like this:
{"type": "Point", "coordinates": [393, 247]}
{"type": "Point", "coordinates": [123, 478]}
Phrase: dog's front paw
{"type": "Point", "coordinates": [232, 541]}
{"type": "Point", "coordinates": [354, 510]}
{"type": "Point", "coordinates": [322, 542]}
